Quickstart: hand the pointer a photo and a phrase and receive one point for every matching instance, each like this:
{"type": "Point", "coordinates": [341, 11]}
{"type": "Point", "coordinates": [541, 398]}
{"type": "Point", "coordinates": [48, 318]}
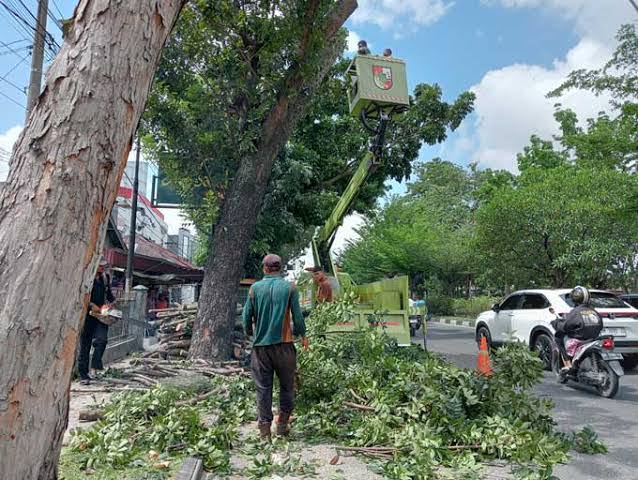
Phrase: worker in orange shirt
{"type": "Point", "coordinates": [324, 286]}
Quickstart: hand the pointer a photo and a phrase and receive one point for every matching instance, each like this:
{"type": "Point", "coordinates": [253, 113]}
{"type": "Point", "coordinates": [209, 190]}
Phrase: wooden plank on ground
{"type": "Point", "coordinates": [192, 469]}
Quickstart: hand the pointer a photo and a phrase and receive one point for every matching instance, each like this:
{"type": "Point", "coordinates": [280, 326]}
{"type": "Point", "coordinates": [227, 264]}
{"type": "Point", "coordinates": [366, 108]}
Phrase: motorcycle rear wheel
{"type": "Point", "coordinates": [612, 382]}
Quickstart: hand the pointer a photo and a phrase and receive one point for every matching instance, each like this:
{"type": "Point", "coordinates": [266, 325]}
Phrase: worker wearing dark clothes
{"type": "Point", "coordinates": [272, 315]}
{"type": "Point", "coordinates": [582, 322]}
{"type": "Point", "coordinates": [94, 331]}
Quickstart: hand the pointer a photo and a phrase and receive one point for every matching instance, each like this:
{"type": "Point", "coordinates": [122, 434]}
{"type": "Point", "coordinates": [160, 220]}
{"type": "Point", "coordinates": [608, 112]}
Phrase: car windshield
{"type": "Point", "coordinates": [599, 300]}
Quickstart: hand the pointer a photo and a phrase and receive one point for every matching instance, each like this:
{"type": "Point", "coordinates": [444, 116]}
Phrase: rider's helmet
{"type": "Point", "coordinates": [580, 295]}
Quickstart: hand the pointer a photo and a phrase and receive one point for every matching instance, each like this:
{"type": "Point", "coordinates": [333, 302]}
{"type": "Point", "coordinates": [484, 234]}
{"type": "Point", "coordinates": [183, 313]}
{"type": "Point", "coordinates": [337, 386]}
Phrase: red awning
{"type": "Point", "coordinates": [153, 259]}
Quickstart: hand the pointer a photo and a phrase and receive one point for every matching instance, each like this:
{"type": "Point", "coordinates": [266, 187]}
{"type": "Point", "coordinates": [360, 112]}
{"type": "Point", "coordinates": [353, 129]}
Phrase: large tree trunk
{"type": "Point", "coordinates": [65, 171]}
{"type": "Point", "coordinates": [235, 226]}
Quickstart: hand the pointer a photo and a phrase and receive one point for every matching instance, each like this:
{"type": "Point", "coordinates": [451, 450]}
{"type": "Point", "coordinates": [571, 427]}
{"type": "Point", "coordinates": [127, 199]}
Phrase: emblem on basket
{"type": "Point", "coordinates": [382, 77]}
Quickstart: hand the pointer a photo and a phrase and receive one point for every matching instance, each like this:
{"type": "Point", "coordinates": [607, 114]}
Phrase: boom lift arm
{"type": "Point", "coordinates": [377, 90]}
{"type": "Point", "coordinates": [323, 239]}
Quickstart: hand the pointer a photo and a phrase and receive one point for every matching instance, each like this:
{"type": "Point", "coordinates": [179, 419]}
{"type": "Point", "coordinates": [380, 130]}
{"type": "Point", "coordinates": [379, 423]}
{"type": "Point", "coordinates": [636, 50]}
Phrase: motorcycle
{"type": "Point", "coordinates": [595, 364]}
{"type": "Point", "coordinates": [415, 324]}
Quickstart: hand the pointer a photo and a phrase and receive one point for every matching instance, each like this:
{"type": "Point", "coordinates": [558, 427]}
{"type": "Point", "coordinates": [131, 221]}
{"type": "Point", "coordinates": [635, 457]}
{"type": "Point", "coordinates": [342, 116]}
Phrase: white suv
{"type": "Point", "coordinates": [526, 315]}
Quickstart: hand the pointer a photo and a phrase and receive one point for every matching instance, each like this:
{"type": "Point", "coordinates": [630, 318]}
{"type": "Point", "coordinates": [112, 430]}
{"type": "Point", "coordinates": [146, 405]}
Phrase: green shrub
{"type": "Point", "coordinates": [463, 307]}
{"type": "Point", "coordinates": [439, 304]}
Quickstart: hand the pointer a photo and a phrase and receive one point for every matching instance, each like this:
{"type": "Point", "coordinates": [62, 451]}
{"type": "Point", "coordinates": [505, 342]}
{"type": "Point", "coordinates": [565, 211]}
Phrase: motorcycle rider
{"type": "Point", "coordinates": [582, 323]}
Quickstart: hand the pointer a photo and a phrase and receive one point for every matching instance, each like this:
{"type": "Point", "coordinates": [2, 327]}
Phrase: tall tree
{"type": "Point", "coordinates": [619, 76]}
{"type": "Point", "coordinates": [281, 52]}
{"type": "Point", "coordinates": [560, 226]}
{"type": "Point", "coordinates": [425, 234]}
{"type": "Point", "coordinates": [187, 124]}
{"type": "Point", "coordinates": [65, 170]}
{"type": "Point", "coordinates": [199, 142]}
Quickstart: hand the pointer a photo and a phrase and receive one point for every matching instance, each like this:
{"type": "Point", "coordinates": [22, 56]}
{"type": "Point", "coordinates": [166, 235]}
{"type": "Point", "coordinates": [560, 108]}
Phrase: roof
{"type": "Point", "coordinates": [127, 192]}
{"type": "Point", "coordinates": [154, 260]}
{"type": "Point", "coordinates": [147, 248]}
{"type": "Point", "coordinates": [114, 236]}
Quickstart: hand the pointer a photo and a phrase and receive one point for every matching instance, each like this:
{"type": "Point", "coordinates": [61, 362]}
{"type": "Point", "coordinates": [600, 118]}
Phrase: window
{"type": "Point", "coordinates": [511, 303]}
{"type": "Point", "coordinates": [631, 300]}
{"type": "Point", "coordinates": [534, 301]}
{"type": "Point", "coordinates": [599, 300]}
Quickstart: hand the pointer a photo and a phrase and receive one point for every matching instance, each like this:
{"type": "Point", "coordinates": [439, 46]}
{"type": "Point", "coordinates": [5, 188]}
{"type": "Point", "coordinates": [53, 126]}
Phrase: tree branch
{"type": "Point", "coordinates": [345, 173]}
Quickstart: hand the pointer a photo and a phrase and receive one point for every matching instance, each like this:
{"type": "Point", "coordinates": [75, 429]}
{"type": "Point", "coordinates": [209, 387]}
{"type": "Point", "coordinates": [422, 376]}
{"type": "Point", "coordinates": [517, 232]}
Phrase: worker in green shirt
{"type": "Point", "coordinates": [273, 317]}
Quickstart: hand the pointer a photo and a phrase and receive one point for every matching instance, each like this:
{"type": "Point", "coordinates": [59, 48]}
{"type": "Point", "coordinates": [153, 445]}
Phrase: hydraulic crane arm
{"type": "Point", "coordinates": [323, 239]}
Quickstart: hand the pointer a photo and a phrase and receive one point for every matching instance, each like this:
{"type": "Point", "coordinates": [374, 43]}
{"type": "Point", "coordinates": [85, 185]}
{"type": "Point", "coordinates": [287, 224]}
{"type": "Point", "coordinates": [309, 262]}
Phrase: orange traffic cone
{"type": "Point", "coordinates": [483, 364]}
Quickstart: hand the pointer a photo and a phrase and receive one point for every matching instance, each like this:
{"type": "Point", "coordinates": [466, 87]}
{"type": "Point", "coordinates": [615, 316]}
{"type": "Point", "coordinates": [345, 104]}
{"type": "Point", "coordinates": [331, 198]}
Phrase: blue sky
{"type": "Point", "coordinates": [455, 51]}
{"type": "Point", "coordinates": [509, 52]}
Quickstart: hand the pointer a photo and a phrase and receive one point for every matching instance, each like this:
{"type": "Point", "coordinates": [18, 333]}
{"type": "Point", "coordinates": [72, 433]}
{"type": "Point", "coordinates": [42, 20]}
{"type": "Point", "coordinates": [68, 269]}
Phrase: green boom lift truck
{"type": "Point", "coordinates": [378, 91]}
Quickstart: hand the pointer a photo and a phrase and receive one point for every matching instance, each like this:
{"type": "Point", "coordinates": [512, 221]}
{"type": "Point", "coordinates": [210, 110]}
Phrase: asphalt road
{"type": "Point", "coordinates": [615, 420]}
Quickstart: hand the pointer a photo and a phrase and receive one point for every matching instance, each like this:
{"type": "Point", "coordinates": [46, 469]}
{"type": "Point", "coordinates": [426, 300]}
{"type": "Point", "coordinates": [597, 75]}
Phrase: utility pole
{"type": "Point", "coordinates": [37, 55]}
{"type": "Point", "coordinates": [133, 229]}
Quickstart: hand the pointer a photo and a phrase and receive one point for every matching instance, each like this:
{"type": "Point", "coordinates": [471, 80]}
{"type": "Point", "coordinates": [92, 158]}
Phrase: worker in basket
{"type": "Point", "coordinates": [581, 324]}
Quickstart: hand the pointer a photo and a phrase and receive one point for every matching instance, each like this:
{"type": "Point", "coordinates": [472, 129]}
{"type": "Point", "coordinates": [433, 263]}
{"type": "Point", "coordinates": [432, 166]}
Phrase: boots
{"type": "Point", "coordinates": [283, 429]}
{"type": "Point", "coordinates": [264, 432]}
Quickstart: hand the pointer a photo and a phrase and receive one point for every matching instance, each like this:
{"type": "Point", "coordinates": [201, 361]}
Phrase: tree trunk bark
{"type": "Point", "coordinates": [65, 171]}
{"type": "Point", "coordinates": [236, 223]}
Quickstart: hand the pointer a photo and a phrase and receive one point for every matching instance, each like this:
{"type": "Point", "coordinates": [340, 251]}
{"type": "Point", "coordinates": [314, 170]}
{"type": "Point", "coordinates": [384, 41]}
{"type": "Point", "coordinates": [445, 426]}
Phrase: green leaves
{"type": "Point", "coordinates": [560, 226]}
{"type": "Point", "coordinates": [433, 414]}
{"type": "Point", "coordinates": [619, 76]}
{"type": "Point", "coordinates": [586, 441]}
{"type": "Point", "coordinates": [136, 424]}
{"type": "Point", "coordinates": [221, 73]}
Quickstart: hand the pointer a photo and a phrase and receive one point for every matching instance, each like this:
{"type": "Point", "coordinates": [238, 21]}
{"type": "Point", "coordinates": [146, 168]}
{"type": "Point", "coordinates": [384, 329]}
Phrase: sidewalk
{"type": "Point", "coordinates": [460, 321]}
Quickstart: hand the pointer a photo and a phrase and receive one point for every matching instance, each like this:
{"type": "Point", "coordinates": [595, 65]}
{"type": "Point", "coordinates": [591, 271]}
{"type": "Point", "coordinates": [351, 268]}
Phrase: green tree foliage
{"type": "Point", "coordinates": [619, 76]}
{"type": "Point", "coordinates": [606, 141]}
{"type": "Point", "coordinates": [558, 227]}
{"type": "Point", "coordinates": [427, 233]}
{"type": "Point", "coordinates": [569, 217]}
{"type": "Point", "coordinates": [206, 112]}
{"type": "Point", "coordinates": [554, 225]}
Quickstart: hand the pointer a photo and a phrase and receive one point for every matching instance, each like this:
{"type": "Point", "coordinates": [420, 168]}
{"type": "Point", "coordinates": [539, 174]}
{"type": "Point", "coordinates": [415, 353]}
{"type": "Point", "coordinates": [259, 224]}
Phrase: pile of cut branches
{"type": "Point", "coordinates": [414, 414]}
{"type": "Point", "coordinates": [141, 374]}
{"type": "Point", "coordinates": [158, 427]}
{"type": "Point", "coordinates": [175, 330]}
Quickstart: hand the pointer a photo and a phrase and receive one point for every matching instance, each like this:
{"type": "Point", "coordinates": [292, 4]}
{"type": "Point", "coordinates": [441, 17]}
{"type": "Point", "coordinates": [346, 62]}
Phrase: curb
{"type": "Point", "coordinates": [461, 322]}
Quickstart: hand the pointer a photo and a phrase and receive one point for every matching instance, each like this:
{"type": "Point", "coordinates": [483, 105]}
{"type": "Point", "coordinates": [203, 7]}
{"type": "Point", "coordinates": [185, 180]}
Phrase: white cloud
{"type": "Point", "coordinates": [399, 14]}
{"type": "Point", "coordinates": [598, 19]}
{"type": "Point", "coordinates": [7, 139]}
{"type": "Point", "coordinates": [353, 40]}
{"type": "Point", "coordinates": [511, 102]}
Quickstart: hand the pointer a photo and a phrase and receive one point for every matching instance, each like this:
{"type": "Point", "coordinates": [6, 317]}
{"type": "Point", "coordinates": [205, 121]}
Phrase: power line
{"type": "Point", "coordinates": [46, 37]}
{"type": "Point", "coordinates": [12, 100]}
{"type": "Point", "coordinates": [22, 30]}
{"type": "Point", "coordinates": [13, 43]}
{"type": "Point", "coordinates": [16, 51]}
{"type": "Point", "coordinates": [58, 9]}
{"type": "Point", "coordinates": [15, 66]}
{"type": "Point", "coordinates": [13, 85]}
{"type": "Point", "coordinates": [18, 27]}
{"type": "Point", "coordinates": [4, 78]}
{"type": "Point", "coordinates": [634, 4]}
{"type": "Point", "coordinates": [51, 40]}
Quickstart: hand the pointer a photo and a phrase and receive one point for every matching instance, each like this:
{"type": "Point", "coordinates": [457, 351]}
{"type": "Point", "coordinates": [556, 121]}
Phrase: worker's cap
{"type": "Point", "coordinates": [271, 261]}
{"type": "Point", "coordinates": [103, 262]}
{"type": "Point", "coordinates": [313, 269]}
{"type": "Point", "coordinates": [362, 43]}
